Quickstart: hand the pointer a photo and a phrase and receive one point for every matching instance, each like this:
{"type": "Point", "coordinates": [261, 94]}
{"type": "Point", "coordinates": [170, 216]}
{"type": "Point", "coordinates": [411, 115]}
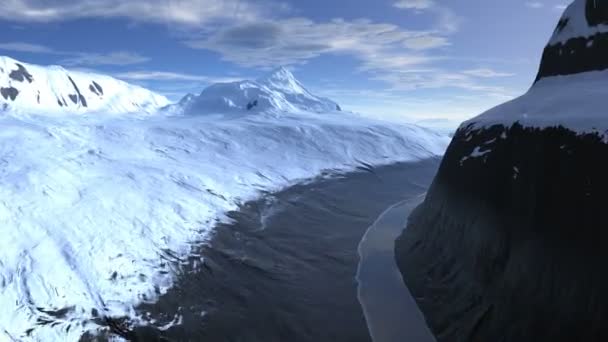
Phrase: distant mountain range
{"type": "Point", "coordinates": [37, 89]}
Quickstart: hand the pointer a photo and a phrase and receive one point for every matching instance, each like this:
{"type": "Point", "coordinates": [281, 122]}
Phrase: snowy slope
{"type": "Point", "coordinates": [96, 211]}
{"type": "Point", "coordinates": [29, 88]}
{"type": "Point", "coordinates": [576, 102]}
{"type": "Point", "coordinates": [572, 83]}
{"type": "Point", "coordinates": [279, 92]}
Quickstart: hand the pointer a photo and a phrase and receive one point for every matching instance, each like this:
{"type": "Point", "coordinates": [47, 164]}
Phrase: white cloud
{"type": "Point", "coordinates": [26, 47]}
{"type": "Point", "coordinates": [447, 20]}
{"type": "Point", "coordinates": [297, 40]}
{"type": "Point", "coordinates": [186, 12]}
{"type": "Point", "coordinates": [486, 73]}
{"type": "Point", "coordinates": [534, 4]}
{"type": "Point", "coordinates": [112, 58]}
{"type": "Point", "coordinates": [73, 58]}
{"type": "Point", "coordinates": [152, 75]}
{"type": "Point", "coordinates": [425, 42]}
{"type": "Point", "coordinates": [414, 4]}
{"type": "Point", "coordinates": [560, 8]}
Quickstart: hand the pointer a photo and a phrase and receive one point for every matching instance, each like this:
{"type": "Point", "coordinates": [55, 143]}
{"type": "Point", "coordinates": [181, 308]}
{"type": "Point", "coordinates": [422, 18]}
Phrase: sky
{"type": "Point", "coordinates": [394, 58]}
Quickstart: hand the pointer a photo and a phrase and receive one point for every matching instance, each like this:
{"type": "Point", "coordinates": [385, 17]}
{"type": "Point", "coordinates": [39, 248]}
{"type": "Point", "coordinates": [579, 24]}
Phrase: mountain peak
{"type": "Point", "coordinates": [277, 92]}
{"type": "Point", "coordinates": [579, 42]}
{"type": "Point", "coordinates": [281, 79]}
{"type": "Point", "coordinates": [281, 73]}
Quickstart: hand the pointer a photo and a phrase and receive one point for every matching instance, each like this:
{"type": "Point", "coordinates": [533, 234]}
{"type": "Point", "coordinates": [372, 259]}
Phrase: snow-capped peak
{"type": "Point", "coordinates": [33, 89]}
{"type": "Point", "coordinates": [283, 80]}
{"type": "Point", "coordinates": [275, 93]}
{"type": "Point", "coordinates": [582, 18]}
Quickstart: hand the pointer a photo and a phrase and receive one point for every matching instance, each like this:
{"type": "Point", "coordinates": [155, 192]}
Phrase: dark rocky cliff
{"type": "Point", "coordinates": [510, 243]}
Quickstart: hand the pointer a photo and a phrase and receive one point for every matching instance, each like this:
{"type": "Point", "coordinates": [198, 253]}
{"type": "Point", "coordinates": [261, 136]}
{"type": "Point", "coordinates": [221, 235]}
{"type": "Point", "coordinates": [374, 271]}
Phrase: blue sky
{"type": "Point", "coordinates": [414, 58]}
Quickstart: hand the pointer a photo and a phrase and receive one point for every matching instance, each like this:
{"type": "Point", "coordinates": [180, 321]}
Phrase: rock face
{"type": "Point", "coordinates": [34, 89]}
{"type": "Point", "coordinates": [509, 244]}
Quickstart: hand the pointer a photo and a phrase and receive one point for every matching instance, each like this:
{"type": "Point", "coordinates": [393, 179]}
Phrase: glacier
{"type": "Point", "coordinates": [97, 209]}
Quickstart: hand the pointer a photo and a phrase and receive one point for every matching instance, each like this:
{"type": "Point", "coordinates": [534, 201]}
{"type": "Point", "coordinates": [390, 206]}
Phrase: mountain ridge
{"type": "Point", "coordinates": [29, 88]}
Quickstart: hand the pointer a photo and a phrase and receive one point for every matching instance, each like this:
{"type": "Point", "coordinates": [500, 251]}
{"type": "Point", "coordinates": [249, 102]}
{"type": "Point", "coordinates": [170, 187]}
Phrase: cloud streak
{"type": "Point", "coordinates": [297, 40]}
{"type": "Point", "coordinates": [185, 12]}
{"type": "Point", "coordinates": [112, 58]}
{"type": "Point", "coordinates": [73, 58]}
{"type": "Point", "coordinates": [486, 73]}
{"type": "Point", "coordinates": [154, 75]}
{"type": "Point", "coordinates": [414, 4]}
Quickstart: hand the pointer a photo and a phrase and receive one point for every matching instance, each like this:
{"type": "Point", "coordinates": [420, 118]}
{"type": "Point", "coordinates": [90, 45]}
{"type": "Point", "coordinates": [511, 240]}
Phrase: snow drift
{"type": "Point", "coordinates": [509, 244]}
{"type": "Point", "coordinates": [32, 89]}
{"type": "Point", "coordinates": [279, 92]}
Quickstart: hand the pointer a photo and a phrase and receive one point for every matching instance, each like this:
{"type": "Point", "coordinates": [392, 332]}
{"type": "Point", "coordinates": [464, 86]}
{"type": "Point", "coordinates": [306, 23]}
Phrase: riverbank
{"type": "Point", "coordinates": [284, 269]}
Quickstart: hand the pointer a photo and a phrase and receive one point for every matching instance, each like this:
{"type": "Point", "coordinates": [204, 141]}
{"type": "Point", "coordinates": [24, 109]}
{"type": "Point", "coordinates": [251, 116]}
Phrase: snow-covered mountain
{"type": "Point", "coordinates": [36, 89]}
{"type": "Point", "coordinates": [278, 92]}
{"type": "Point", "coordinates": [510, 242]}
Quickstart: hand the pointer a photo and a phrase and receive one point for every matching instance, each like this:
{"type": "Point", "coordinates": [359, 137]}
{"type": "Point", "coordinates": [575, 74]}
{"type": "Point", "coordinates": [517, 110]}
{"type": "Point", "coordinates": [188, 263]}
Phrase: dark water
{"type": "Point", "coordinates": [285, 269]}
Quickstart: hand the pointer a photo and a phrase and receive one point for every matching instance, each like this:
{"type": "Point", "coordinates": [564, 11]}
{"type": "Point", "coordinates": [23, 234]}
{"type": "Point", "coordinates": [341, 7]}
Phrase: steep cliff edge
{"type": "Point", "coordinates": [509, 244]}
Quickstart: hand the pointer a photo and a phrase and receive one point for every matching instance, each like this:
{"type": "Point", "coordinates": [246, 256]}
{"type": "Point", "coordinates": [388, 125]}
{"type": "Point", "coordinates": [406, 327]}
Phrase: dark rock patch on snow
{"type": "Point", "coordinates": [9, 93]}
{"type": "Point", "coordinates": [252, 105]}
{"type": "Point", "coordinates": [78, 98]}
{"type": "Point", "coordinates": [93, 89]}
{"type": "Point", "coordinates": [21, 74]}
{"type": "Point", "coordinates": [577, 55]}
{"type": "Point", "coordinates": [96, 89]}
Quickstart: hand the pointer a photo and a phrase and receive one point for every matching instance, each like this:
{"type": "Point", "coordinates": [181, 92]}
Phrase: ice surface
{"type": "Point", "coordinates": [96, 211]}
{"type": "Point", "coordinates": [55, 90]}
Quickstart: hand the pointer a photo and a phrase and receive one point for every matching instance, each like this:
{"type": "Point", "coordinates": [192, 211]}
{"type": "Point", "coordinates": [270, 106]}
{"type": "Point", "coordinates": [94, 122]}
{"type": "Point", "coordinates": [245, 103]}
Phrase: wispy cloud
{"type": "Point", "coordinates": [414, 4]}
{"type": "Point", "coordinates": [112, 58]}
{"type": "Point", "coordinates": [153, 75]}
{"type": "Point", "coordinates": [426, 42]}
{"type": "Point", "coordinates": [447, 20]}
{"type": "Point", "coordinates": [534, 4]}
{"type": "Point", "coordinates": [186, 12]}
{"type": "Point", "coordinates": [26, 47]}
{"type": "Point", "coordinates": [298, 40]}
{"type": "Point", "coordinates": [73, 58]}
{"type": "Point", "coordinates": [435, 79]}
{"type": "Point", "coordinates": [486, 73]}
{"type": "Point", "coordinates": [560, 7]}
